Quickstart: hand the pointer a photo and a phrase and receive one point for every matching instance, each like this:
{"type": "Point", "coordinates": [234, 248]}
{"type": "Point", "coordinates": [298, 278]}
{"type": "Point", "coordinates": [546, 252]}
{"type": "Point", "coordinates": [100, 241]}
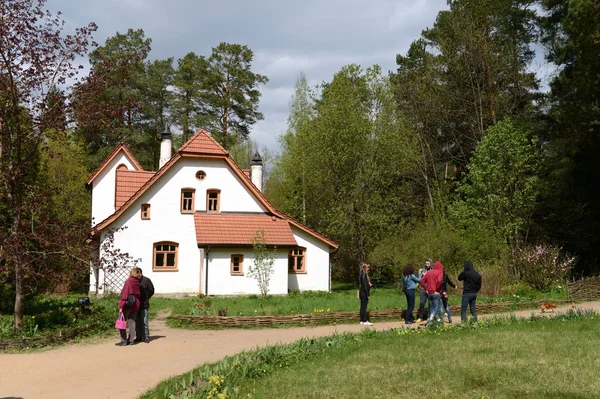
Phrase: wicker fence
{"type": "Point", "coordinates": [329, 318]}
{"type": "Point", "coordinates": [587, 289]}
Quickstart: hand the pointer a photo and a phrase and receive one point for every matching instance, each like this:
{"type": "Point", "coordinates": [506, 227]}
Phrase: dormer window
{"type": "Point", "coordinates": [187, 200]}
{"type": "Point", "coordinates": [145, 211]}
{"type": "Point", "coordinates": [213, 201]}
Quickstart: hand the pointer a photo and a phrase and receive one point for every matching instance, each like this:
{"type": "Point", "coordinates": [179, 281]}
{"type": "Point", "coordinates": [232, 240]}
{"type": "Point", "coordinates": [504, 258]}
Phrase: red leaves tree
{"type": "Point", "coordinates": [35, 58]}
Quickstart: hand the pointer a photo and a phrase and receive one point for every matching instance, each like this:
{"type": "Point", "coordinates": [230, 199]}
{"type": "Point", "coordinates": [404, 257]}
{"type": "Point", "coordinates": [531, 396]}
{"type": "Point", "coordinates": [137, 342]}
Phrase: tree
{"type": "Point", "coordinates": [571, 199]}
{"type": "Point", "coordinates": [187, 82]}
{"type": "Point", "coordinates": [230, 92]}
{"type": "Point", "coordinates": [262, 266]}
{"type": "Point", "coordinates": [502, 184]}
{"type": "Point", "coordinates": [109, 104]}
{"type": "Point", "coordinates": [35, 56]}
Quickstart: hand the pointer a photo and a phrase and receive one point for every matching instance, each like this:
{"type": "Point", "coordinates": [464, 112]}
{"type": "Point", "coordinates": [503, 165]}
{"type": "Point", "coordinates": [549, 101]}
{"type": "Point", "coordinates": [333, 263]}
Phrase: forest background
{"type": "Point", "coordinates": [458, 154]}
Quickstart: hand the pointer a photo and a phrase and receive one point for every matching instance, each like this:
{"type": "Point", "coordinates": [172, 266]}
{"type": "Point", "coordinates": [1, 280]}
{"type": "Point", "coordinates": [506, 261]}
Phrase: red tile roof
{"type": "Point", "coordinates": [239, 229]}
{"type": "Point", "coordinates": [203, 143]}
{"type": "Point", "coordinates": [120, 147]}
{"type": "Point", "coordinates": [128, 183]}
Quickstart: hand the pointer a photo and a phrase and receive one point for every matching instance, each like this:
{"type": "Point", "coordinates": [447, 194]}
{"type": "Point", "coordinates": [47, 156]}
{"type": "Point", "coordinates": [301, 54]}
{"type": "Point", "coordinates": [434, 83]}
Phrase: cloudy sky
{"type": "Point", "coordinates": [316, 37]}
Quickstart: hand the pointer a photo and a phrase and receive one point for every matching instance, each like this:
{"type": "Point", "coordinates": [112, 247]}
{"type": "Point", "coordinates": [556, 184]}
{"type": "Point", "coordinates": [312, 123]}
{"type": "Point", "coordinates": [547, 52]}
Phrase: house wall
{"type": "Point", "coordinates": [103, 189]}
{"type": "Point", "coordinates": [316, 277]}
{"type": "Point", "coordinates": [167, 223]}
{"type": "Point", "coordinates": [221, 282]}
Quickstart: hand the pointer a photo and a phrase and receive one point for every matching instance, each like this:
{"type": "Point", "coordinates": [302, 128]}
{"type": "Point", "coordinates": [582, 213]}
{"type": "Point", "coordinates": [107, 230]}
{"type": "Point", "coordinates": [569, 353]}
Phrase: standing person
{"type": "Point", "coordinates": [423, 292]}
{"type": "Point", "coordinates": [445, 307]}
{"type": "Point", "coordinates": [433, 283]}
{"type": "Point", "coordinates": [409, 285]}
{"type": "Point", "coordinates": [364, 293]}
{"type": "Point", "coordinates": [141, 322]}
{"type": "Point", "coordinates": [471, 286]}
{"type": "Point", "coordinates": [131, 287]}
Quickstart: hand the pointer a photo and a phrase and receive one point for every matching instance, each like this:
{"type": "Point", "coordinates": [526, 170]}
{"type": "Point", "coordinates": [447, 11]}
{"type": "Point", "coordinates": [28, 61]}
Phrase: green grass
{"type": "Point", "coordinates": [497, 358]}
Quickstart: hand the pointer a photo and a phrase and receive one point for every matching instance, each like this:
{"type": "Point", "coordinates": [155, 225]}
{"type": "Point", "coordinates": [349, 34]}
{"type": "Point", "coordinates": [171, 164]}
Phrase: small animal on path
{"type": "Point", "coordinates": [547, 307]}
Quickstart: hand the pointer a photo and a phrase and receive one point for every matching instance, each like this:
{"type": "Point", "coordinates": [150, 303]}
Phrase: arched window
{"type": "Point", "coordinates": [122, 167]}
{"type": "Point", "coordinates": [165, 256]}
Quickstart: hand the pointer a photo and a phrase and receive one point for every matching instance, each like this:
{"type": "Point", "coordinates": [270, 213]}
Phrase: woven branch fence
{"type": "Point", "coordinates": [587, 289]}
{"type": "Point", "coordinates": [328, 318]}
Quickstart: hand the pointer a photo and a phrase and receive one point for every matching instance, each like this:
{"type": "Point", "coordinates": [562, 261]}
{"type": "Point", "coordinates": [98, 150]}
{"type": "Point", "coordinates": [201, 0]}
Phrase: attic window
{"type": "Point", "coordinates": [187, 200]}
{"type": "Point", "coordinates": [146, 211]}
{"type": "Point", "coordinates": [200, 175]}
{"type": "Point", "coordinates": [122, 167]}
{"type": "Point", "coordinates": [213, 201]}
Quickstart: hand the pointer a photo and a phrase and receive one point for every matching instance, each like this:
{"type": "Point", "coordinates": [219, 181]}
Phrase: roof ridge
{"type": "Point", "coordinates": [196, 137]}
{"type": "Point", "coordinates": [109, 157]}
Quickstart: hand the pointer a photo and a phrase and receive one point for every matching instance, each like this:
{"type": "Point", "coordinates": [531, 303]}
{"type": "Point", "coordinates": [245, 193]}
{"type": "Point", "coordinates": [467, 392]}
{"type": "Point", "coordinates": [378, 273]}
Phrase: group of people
{"type": "Point", "coordinates": [434, 282]}
{"type": "Point", "coordinates": [136, 314]}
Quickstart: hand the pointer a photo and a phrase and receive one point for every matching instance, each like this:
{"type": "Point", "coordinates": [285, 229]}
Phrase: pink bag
{"type": "Point", "coordinates": [121, 323]}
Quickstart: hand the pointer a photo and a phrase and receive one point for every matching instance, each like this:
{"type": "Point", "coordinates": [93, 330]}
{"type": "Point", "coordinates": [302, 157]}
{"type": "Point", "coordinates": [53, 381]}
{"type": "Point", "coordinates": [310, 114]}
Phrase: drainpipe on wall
{"type": "Point", "coordinates": [206, 282]}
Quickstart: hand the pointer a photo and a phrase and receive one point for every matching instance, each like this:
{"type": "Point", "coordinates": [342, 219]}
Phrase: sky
{"type": "Point", "coordinates": [316, 37]}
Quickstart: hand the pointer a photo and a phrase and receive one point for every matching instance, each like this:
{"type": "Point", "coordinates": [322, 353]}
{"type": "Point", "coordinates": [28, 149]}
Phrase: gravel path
{"type": "Point", "coordinates": [102, 370]}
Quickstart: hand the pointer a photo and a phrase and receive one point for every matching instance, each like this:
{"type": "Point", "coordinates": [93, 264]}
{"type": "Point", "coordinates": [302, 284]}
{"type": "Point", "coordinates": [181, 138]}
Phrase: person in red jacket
{"type": "Point", "coordinates": [433, 281]}
{"type": "Point", "coordinates": [131, 287]}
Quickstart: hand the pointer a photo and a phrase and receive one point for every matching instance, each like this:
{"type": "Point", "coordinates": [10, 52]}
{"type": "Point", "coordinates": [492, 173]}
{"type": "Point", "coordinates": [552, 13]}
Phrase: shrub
{"type": "Point", "coordinates": [542, 265]}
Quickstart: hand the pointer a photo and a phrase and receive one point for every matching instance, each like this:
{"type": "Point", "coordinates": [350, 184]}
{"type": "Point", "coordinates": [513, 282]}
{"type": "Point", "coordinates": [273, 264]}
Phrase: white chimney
{"type": "Point", "coordinates": [256, 171]}
{"type": "Point", "coordinates": [166, 146]}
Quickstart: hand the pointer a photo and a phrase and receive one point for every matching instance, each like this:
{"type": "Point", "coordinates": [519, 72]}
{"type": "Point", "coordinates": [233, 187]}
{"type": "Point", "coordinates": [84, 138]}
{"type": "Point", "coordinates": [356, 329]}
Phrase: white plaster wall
{"type": "Point", "coordinates": [221, 282]}
{"type": "Point", "coordinates": [316, 277]}
{"type": "Point", "coordinates": [168, 224]}
{"type": "Point", "coordinates": [103, 189]}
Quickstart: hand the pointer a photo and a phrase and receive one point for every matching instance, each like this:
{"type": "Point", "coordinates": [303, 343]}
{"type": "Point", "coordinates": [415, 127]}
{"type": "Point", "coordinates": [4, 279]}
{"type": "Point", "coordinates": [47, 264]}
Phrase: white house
{"type": "Point", "coordinates": [191, 224]}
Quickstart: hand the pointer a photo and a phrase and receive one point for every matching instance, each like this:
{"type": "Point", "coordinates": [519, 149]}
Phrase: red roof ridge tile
{"type": "Point", "coordinates": [203, 143]}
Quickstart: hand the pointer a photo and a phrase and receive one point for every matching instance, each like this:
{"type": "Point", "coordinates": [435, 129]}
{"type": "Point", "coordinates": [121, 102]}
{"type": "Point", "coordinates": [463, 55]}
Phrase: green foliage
{"type": "Point", "coordinates": [502, 184]}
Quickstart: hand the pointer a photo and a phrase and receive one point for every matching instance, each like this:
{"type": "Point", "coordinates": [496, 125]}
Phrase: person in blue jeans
{"type": "Point", "coordinates": [471, 286]}
{"type": "Point", "coordinates": [433, 283]}
{"type": "Point", "coordinates": [444, 293]}
{"type": "Point", "coordinates": [409, 285]}
{"type": "Point", "coordinates": [423, 292]}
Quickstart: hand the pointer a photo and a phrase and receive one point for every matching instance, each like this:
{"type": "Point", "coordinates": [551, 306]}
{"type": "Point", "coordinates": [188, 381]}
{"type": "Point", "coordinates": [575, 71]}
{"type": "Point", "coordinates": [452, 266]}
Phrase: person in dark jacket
{"type": "Point", "coordinates": [141, 322]}
{"type": "Point", "coordinates": [364, 293]}
{"type": "Point", "coordinates": [409, 285]}
{"type": "Point", "coordinates": [445, 307]}
{"type": "Point", "coordinates": [471, 286]}
{"type": "Point", "coordinates": [423, 291]}
{"type": "Point", "coordinates": [131, 287]}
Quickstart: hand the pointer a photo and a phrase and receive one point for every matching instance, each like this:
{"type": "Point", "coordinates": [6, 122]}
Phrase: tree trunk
{"type": "Point", "coordinates": [19, 301]}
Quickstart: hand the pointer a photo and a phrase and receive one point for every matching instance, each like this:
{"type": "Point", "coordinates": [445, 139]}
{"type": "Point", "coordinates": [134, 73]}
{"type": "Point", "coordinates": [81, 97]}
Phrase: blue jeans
{"type": "Point", "coordinates": [410, 304]}
{"type": "Point", "coordinates": [141, 325]}
{"type": "Point", "coordinates": [435, 303]}
{"type": "Point", "coordinates": [445, 308]}
{"type": "Point", "coordinates": [468, 299]}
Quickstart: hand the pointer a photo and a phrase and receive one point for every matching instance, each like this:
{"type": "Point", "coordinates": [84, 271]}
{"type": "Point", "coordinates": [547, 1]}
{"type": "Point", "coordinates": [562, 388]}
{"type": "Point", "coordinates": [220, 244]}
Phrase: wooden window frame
{"type": "Point", "coordinates": [165, 268]}
{"type": "Point", "coordinates": [200, 175]}
{"type": "Point", "coordinates": [145, 208]}
{"type": "Point", "coordinates": [181, 201]}
{"type": "Point", "coordinates": [241, 265]}
{"type": "Point", "coordinates": [291, 254]}
{"type": "Point", "coordinates": [208, 192]}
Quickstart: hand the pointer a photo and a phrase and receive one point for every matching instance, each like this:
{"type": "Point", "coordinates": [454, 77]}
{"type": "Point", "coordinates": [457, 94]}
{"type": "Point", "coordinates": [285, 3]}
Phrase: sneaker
{"type": "Point", "coordinates": [122, 343]}
{"type": "Point", "coordinates": [419, 320]}
{"type": "Point", "coordinates": [408, 322]}
{"type": "Point", "coordinates": [368, 323]}
{"type": "Point", "coordinates": [362, 323]}
{"type": "Point", "coordinates": [147, 340]}
{"type": "Point", "coordinates": [449, 321]}
{"type": "Point", "coordinates": [137, 340]}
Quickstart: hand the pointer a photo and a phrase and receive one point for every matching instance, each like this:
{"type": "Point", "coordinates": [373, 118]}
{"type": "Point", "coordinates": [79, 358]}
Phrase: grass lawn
{"type": "Point", "coordinates": [541, 359]}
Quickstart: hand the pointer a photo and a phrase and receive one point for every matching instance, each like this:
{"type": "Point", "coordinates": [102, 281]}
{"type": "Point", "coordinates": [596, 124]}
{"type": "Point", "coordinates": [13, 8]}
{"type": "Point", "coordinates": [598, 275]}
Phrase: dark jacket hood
{"type": "Point", "coordinates": [469, 266]}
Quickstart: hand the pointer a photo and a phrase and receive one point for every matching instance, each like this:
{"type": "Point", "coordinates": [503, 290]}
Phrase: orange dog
{"type": "Point", "coordinates": [547, 307]}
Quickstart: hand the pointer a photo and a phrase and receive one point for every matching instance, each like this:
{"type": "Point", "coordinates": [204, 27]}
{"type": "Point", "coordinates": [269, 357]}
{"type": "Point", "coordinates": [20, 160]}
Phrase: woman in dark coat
{"type": "Point", "coordinates": [131, 287]}
{"type": "Point", "coordinates": [364, 293]}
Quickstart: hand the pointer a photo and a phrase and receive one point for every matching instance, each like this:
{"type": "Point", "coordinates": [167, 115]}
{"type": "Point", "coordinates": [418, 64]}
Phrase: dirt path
{"type": "Point", "coordinates": [103, 370]}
